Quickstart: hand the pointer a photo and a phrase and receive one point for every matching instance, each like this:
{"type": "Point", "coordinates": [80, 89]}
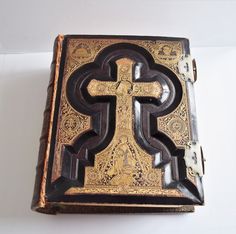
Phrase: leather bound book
{"type": "Point", "coordinates": [119, 131]}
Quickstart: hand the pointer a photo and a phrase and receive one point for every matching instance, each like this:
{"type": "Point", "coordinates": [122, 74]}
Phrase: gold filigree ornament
{"type": "Point", "coordinates": [168, 53]}
{"type": "Point", "coordinates": [176, 124]}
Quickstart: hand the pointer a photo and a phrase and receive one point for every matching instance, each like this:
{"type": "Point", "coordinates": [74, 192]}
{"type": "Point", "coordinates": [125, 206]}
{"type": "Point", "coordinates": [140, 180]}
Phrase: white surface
{"type": "Point", "coordinates": [32, 25]}
{"type": "Point", "coordinates": [23, 84]}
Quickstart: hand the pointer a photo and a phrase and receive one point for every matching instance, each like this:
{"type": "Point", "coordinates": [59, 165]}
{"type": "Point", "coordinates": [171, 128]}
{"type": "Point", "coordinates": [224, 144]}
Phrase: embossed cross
{"type": "Point", "coordinates": [124, 89]}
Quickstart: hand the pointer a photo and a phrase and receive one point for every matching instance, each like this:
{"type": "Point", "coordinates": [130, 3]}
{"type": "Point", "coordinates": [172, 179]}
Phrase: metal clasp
{"type": "Point", "coordinates": [187, 68]}
{"type": "Point", "coordinates": [194, 158]}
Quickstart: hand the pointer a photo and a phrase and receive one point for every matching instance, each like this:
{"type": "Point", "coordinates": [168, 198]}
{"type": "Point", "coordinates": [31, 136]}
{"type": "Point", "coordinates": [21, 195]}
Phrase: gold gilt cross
{"type": "Point", "coordinates": [124, 89]}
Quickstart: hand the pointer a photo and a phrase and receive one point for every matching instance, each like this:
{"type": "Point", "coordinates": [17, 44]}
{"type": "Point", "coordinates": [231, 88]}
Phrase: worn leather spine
{"type": "Point", "coordinates": [38, 201]}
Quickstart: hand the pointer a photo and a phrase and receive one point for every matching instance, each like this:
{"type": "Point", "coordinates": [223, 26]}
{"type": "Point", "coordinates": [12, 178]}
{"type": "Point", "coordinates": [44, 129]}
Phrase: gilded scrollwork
{"type": "Point", "coordinates": [168, 53]}
{"type": "Point", "coordinates": [153, 191]}
{"type": "Point", "coordinates": [176, 124]}
{"type": "Point", "coordinates": [127, 165]}
{"type": "Point", "coordinates": [71, 125]}
{"type": "Point", "coordinates": [82, 51]}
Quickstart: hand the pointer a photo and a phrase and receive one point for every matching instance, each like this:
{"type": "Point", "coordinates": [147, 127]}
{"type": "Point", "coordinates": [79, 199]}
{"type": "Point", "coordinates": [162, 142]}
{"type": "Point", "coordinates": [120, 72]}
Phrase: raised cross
{"type": "Point", "coordinates": [124, 89]}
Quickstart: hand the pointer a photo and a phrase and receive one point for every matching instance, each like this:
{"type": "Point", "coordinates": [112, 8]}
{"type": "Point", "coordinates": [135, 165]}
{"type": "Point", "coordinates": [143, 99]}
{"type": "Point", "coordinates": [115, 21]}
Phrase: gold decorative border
{"type": "Point", "coordinates": [152, 191]}
{"type": "Point", "coordinates": [89, 48]}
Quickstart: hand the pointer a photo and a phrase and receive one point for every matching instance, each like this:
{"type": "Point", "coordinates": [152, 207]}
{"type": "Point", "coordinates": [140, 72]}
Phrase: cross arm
{"type": "Point", "coordinates": [147, 89]}
{"type": "Point", "coordinates": [100, 88]}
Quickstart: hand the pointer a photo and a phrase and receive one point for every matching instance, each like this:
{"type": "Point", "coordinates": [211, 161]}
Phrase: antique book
{"type": "Point", "coordinates": [119, 131]}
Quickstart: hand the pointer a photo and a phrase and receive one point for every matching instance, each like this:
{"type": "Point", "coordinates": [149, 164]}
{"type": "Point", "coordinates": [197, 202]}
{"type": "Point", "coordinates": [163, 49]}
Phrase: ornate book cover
{"type": "Point", "coordinates": [119, 131]}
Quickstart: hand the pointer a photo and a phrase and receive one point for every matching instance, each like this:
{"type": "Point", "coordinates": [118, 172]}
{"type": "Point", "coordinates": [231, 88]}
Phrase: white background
{"type": "Point", "coordinates": [23, 83]}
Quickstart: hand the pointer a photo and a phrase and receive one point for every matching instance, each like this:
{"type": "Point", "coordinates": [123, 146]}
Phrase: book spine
{"type": "Point", "coordinates": [38, 201]}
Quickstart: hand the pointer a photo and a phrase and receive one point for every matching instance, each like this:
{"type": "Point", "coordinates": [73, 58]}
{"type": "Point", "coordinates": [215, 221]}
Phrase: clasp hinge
{"type": "Point", "coordinates": [194, 158]}
{"type": "Point", "coordinates": [187, 68]}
